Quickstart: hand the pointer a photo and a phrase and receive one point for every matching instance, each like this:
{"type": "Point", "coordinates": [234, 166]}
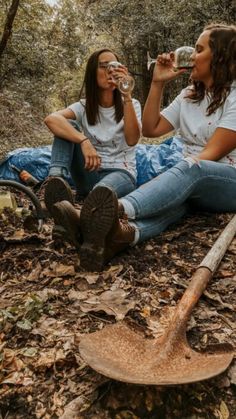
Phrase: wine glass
{"type": "Point", "coordinates": [126, 83]}
{"type": "Point", "coordinates": [182, 58]}
{"type": "Point", "coordinates": [150, 60]}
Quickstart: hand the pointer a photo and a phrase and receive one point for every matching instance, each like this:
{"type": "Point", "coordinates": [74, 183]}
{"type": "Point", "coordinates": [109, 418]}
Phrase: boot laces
{"type": "Point", "coordinates": [125, 226]}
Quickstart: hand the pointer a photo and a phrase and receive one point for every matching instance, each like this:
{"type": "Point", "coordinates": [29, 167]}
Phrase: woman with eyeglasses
{"type": "Point", "coordinates": [94, 138]}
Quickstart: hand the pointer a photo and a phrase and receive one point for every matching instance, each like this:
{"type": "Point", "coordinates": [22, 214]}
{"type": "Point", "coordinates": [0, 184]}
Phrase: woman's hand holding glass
{"type": "Point", "coordinates": [117, 75]}
{"type": "Point", "coordinates": [165, 69]}
{"type": "Point", "coordinates": [168, 66]}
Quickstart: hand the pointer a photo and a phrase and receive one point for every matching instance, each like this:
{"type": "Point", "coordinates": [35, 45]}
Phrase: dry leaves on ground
{"type": "Point", "coordinates": [47, 302]}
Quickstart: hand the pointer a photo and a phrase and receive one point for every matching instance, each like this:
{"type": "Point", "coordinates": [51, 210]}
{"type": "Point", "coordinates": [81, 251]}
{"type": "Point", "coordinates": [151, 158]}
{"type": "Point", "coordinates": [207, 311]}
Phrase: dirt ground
{"type": "Point", "coordinates": [47, 302]}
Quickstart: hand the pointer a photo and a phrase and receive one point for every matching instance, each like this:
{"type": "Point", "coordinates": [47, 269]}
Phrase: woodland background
{"type": "Point", "coordinates": [44, 49]}
{"type": "Point", "coordinates": [46, 300]}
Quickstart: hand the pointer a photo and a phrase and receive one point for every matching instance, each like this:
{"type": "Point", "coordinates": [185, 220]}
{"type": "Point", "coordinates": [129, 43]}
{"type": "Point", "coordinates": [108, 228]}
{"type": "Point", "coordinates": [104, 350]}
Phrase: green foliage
{"type": "Point", "coordinates": [45, 44]}
{"type": "Point", "coordinates": [46, 54]}
{"type": "Point", "coordinates": [157, 27]}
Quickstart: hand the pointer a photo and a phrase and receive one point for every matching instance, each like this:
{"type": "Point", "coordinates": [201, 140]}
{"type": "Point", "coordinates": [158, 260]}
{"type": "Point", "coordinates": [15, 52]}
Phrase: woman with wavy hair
{"type": "Point", "coordinates": [203, 116]}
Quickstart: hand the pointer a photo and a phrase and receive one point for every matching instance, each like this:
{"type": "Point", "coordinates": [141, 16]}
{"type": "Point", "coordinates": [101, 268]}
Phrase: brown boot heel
{"type": "Point", "coordinates": [57, 190]}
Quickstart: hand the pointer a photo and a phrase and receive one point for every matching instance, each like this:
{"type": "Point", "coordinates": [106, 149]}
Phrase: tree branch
{"type": "Point", "coordinates": [8, 25]}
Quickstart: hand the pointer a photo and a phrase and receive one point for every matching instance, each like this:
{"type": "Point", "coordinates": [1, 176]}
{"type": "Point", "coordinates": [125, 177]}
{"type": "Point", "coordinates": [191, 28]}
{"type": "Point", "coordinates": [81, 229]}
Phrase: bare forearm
{"type": "Point", "coordinates": [61, 127]}
{"type": "Point", "coordinates": [211, 153]}
{"type": "Point", "coordinates": [207, 154]}
{"type": "Point", "coordinates": [131, 124]}
{"type": "Point", "coordinates": [151, 112]}
{"type": "Point", "coordinates": [221, 143]}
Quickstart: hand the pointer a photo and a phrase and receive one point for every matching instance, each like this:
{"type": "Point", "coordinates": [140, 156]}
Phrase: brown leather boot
{"type": "Point", "coordinates": [67, 223]}
{"type": "Point", "coordinates": [121, 211]}
{"type": "Point", "coordinates": [103, 233]}
{"type": "Point", "coordinates": [120, 237]}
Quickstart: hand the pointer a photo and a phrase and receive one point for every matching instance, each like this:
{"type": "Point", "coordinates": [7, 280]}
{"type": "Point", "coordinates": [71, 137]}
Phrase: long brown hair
{"type": "Point", "coordinates": [222, 41]}
{"type": "Point", "coordinates": [90, 87]}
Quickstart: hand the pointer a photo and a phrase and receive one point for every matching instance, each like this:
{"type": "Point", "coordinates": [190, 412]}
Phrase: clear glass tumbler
{"type": "Point", "coordinates": [125, 84]}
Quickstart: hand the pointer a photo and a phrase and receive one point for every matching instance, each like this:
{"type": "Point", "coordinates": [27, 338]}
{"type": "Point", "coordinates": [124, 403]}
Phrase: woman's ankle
{"type": "Point", "coordinates": [57, 171]}
{"type": "Point", "coordinates": [128, 208]}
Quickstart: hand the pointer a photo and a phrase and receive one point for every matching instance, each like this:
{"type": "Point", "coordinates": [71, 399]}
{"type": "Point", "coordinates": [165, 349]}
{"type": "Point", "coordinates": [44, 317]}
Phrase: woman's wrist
{"type": "Point", "coordinates": [83, 139]}
{"type": "Point", "coordinates": [161, 83]}
{"type": "Point", "coordinates": [127, 99]}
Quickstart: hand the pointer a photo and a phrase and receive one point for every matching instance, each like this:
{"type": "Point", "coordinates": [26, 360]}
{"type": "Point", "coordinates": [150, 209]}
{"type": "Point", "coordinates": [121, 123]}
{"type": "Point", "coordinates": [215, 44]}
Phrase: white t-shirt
{"type": "Point", "coordinates": [195, 128]}
{"type": "Point", "coordinates": [108, 137]}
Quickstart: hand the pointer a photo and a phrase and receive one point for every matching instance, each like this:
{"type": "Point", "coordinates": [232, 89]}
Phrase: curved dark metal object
{"type": "Point", "coordinates": [30, 194]}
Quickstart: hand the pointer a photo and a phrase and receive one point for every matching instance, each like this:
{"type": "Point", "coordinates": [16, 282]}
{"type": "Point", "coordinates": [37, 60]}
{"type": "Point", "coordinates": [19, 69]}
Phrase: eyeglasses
{"type": "Point", "coordinates": [103, 65]}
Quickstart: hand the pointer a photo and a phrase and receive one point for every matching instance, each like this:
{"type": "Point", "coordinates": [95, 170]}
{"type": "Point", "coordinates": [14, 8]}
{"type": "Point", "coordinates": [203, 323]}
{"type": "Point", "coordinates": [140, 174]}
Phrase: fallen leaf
{"type": "Point", "coordinates": [17, 378]}
{"type": "Point", "coordinates": [29, 352]}
{"type": "Point", "coordinates": [46, 293]}
{"type": "Point", "coordinates": [35, 274]}
{"type": "Point", "coordinates": [72, 410]}
{"type": "Point", "coordinates": [224, 273]}
{"type": "Point", "coordinates": [149, 247]}
{"type": "Point", "coordinates": [77, 295]}
{"type": "Point", "coordinates": [47, 359]}
{"type": "Point", "coordinates": [24, 324]}
{"type": "Point", "coordinates": [224, 410]}
{"type": "Point", "coordinates": [158, 325]}
{"type": "Point", "coordinates": [114, 303]}
{"type": "Point", "coordinates": [216, 297]}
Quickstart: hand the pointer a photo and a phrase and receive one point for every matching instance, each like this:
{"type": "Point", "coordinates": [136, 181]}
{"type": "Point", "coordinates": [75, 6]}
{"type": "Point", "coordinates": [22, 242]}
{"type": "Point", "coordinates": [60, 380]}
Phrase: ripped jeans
{"type": "Point", "coordinates": [67, 159]}
{"type": "Point", "coordinates": [206, 185]}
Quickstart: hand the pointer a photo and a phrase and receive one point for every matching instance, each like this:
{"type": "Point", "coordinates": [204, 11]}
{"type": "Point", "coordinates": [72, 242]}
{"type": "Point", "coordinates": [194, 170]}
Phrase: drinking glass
{"type": "Point", "coordinates": [125, 84]}
{"type": "Point", "coordinates": [182, 58]}
{"type": "Point", "coordinates": [150, 60]}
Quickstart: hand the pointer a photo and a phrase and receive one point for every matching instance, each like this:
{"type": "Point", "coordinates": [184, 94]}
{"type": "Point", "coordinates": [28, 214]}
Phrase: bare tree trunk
{"type": "Point", "coordinates": [8, 25]}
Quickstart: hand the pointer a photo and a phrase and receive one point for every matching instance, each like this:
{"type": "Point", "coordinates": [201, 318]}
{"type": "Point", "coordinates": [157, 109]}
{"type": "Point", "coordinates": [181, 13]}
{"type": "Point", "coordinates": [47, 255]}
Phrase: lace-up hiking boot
{"type": "Point", "coordinates": [56, 190]}
{"type": "Point", "coordinates": [67, 223]}
{"type": "Point", "coordinates": [103, 233]}
{"type": "Point", "coordinates": [121, 211]}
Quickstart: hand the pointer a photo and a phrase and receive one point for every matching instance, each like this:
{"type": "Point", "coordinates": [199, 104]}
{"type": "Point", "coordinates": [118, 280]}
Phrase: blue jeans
{"type": "Point", "coordinates": [67, 159]}
{"type": "Point", "coordinates": [208, 186]}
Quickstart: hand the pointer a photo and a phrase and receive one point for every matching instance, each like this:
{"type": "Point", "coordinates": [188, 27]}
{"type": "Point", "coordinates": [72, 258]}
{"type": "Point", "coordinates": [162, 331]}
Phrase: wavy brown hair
{"type": "Point", "coordinates": [222, 41]}
{"type": "Point", "coordinates": [90, 87]}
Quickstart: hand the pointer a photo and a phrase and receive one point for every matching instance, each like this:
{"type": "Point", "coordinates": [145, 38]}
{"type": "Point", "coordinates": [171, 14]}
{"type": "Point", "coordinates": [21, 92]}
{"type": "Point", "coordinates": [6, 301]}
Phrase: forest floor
{"type": "Point", "coordinates": [47, 302]}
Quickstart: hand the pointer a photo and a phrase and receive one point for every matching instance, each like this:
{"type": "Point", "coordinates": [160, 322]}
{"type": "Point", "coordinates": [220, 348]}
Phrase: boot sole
{"type": "Point", "coordinates": [97, 219]}
{"type": "Point", "coordinates": [57, 190]}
